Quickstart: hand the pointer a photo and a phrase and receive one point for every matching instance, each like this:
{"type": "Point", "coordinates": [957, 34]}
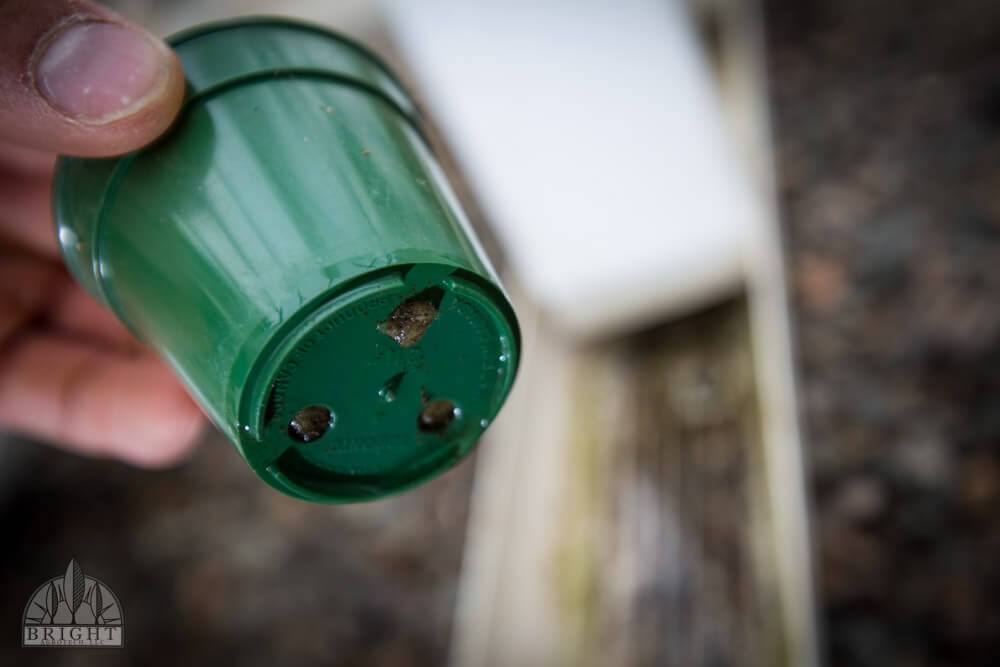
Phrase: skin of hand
{"type": "Point", "coordinates": [77, 79]}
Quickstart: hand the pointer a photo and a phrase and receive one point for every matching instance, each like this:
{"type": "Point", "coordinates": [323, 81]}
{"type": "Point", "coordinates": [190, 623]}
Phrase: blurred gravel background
{"type": "Point", "coordinates": [214, 568]}
{"type": "Point", "coordinates": [887, 124]}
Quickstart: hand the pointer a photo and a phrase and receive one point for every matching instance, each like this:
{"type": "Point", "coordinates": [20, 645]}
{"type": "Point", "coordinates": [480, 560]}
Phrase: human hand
{"type": "Point", "coordinates": [77, 79]}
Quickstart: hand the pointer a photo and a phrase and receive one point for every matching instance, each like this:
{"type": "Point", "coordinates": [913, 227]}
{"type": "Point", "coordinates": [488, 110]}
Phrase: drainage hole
{"type": "Point", "coordinates": [309, 423]}
{"type": "Point", "coordinates": [436, 416]}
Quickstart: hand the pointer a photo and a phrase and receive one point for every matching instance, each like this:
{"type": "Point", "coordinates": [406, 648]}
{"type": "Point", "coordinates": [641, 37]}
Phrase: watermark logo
{"type": "Point", "coordinates": [73, 610]}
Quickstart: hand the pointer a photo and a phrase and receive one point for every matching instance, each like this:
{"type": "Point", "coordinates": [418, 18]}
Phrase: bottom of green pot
{"type": "Point", "coordinates": [380, 386]}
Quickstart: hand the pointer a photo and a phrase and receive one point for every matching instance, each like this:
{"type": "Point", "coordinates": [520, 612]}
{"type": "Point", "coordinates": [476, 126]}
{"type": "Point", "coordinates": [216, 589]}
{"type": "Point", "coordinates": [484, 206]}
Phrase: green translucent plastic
{"type": "Point", "coordinates": [292, 208]}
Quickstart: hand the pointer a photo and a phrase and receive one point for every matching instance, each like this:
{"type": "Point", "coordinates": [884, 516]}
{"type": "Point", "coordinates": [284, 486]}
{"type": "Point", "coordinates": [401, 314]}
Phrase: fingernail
{"type": "Point", "coordinates": [95, 71]}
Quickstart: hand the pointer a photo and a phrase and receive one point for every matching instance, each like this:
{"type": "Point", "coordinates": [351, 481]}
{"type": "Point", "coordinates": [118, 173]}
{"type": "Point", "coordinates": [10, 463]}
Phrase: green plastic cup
{"type": "Point", "coordinates": [292, 249]}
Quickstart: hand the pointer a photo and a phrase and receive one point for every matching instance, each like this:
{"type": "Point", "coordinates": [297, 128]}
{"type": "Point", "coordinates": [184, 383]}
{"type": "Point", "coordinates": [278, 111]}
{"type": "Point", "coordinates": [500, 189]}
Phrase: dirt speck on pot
{"type": "Point", "coordinates": [409, 321]}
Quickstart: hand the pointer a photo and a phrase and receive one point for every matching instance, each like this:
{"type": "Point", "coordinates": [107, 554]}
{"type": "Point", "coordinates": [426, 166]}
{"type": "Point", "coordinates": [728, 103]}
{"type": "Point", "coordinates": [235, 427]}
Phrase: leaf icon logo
{"type": "Point", "coordinates": [98, 604]}
{"type": "Point", "coordinates": [73, 584]}
{"type": "Point", "coordinates": [51, 601]}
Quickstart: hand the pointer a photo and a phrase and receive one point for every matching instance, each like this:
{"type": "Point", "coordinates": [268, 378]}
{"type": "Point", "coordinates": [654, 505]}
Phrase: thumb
{"type": "Point", "coordinates": [78, 79]}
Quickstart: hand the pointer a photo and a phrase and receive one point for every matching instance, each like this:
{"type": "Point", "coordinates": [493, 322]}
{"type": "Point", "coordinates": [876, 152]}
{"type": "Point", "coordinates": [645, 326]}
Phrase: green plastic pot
{"type": "Point", "coordinates": [292, 249]}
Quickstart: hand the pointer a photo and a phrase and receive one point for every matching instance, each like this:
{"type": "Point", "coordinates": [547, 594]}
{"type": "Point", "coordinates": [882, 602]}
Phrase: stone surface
{"type": "Point", "coordinates": [887, 127]}
{"type": "Point", "coordinates": [214, 567]}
